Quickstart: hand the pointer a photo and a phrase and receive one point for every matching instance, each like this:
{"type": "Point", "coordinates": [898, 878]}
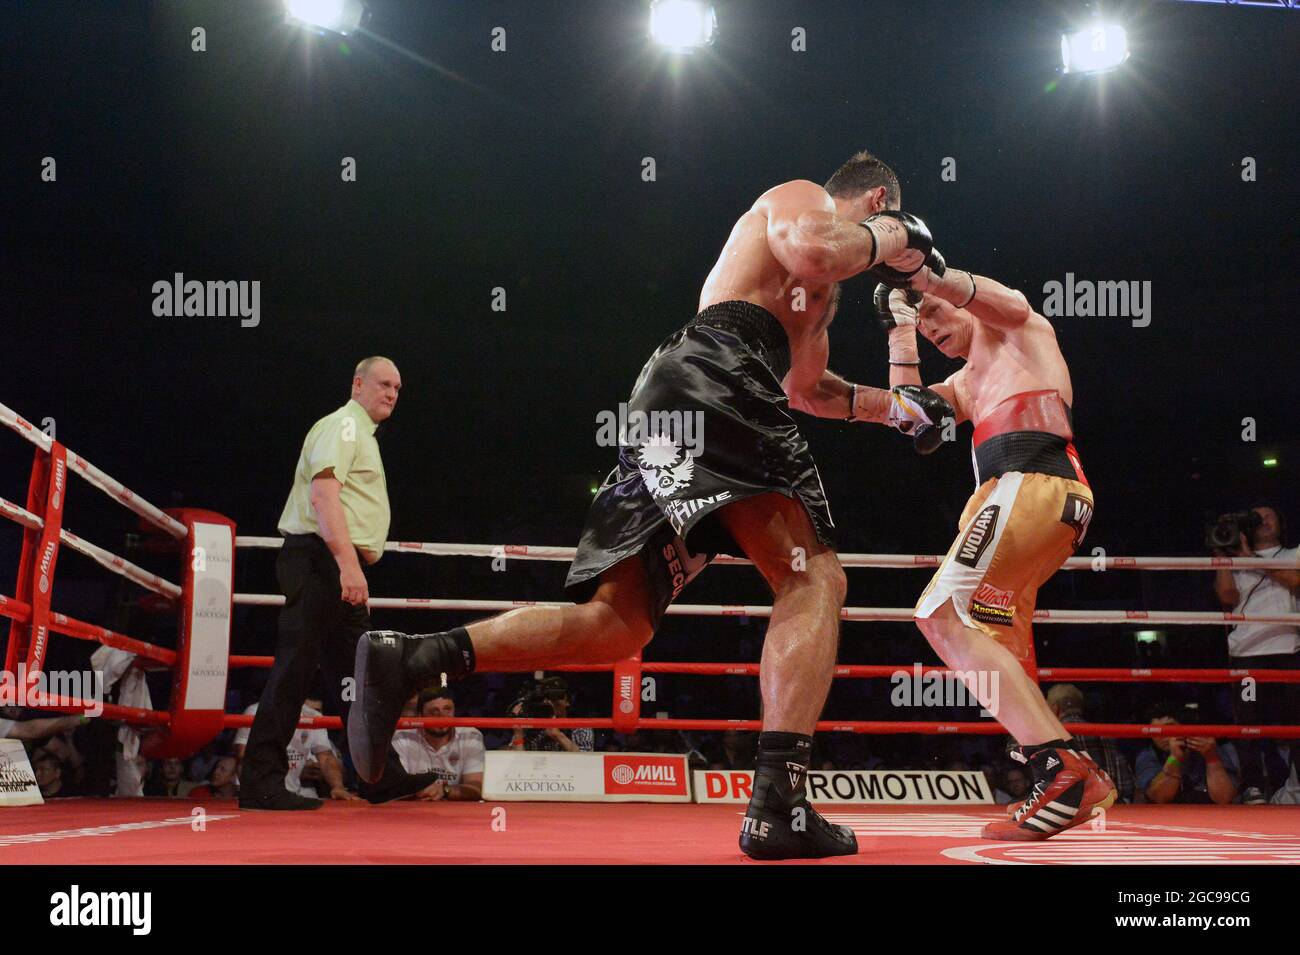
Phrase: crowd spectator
{"type": "Point", "coordinates": [1013, 786]}
{"type": "Point", "coordinates": [549, 698]}
{"type": "Point", "coordinates": [1186, 769]}
{"type": "Point", "coordinates": [736, 751]}
{"type": "Point", "coordinates": [199, 769]}
{"type": "Point", "coordinates": [170, 782]}
{"type": "Point", "coordinates": [314, 765]}
{"type": "Point", "coordinates": [454, 753]}
{"type": "Point", "coordinates": [49, 772]}
{"type": "Point", "coordinates": [1066, 701]}
{"type": "Point", "coordinates": [223, 781]}
{"type": "Point", "coordinates": [1263, 646]}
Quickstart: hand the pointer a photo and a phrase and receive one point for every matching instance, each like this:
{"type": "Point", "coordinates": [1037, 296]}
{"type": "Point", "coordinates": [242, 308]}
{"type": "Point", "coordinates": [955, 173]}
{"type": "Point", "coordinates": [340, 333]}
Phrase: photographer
{"type": "Point", "coordinates": [1193, 769]}
{"type": "Point", "coordinates": [547, 699]}
{"type": "Point", "coordinates": [1259, 532]}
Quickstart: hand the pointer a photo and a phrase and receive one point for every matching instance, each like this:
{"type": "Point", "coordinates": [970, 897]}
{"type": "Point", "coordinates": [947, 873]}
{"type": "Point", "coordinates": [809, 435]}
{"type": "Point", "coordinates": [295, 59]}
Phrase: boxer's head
{"type": "Point", "coordinates": [863, 186]}
{"type": "Point", "coordinates": [375, 385]}
{"type": "Point", "coordinates": [945, 326]}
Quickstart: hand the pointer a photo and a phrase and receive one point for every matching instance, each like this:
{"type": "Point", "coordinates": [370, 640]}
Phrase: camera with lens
{"type": "Point", "coordinates": [1227, 530]}
{"type": "Point", "coordinates": [537, 702]}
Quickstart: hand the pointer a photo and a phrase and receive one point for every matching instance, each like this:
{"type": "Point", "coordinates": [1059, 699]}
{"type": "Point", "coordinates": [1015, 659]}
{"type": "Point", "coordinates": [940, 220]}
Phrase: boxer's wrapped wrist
{"type": "Point", "coordinates": [926, 281]}
{"type": "Point", "coordinates": [868, 404]}
{"type": "Point", "coordinates": [956, 287]}
{"type": "Point", "coordinates": [902, 346]}
{"type": "Point", "coordinates": [888, 239]}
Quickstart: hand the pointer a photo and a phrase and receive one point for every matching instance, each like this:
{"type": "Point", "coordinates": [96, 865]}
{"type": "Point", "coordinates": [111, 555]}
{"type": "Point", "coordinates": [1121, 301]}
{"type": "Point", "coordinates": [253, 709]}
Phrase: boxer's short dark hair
{"type": "Point", "coordinates": [864, 171]}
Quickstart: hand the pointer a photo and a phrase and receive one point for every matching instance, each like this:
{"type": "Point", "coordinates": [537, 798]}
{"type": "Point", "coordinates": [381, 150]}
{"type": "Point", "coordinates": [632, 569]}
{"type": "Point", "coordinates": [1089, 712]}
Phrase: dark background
{"type": "Point", "coordinates": [522, 170]}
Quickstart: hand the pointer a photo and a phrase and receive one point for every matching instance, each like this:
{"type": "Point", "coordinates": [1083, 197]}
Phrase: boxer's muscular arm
{"type": "Point", "coordinates": [813, 243]}
{"type": "Point", "coordinates": [816, 390]}
{"type": "Point", "coordinates": [993, 303]}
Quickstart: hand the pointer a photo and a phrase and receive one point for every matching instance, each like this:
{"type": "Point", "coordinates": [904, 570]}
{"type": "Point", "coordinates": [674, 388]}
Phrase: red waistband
{"type": "Point", "coordinates": [1027, 411]}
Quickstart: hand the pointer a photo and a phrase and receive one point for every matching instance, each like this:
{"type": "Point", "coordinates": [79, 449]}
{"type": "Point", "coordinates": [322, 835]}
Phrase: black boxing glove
{"type": "Point", "coordinates": [919, 412]}
{"type": "Point", "coordinates": [908, 261]}
{"type": "Point", "coordinates": [902, 278]}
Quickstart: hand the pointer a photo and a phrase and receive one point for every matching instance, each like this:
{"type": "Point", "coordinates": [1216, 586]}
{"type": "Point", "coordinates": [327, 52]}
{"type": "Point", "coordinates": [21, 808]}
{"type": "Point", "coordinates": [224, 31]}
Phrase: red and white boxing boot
{"type": "Point", "coordinates": [1069, 789]}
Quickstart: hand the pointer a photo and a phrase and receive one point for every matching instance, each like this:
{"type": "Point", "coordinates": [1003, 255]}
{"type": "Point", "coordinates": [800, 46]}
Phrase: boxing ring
{"type": "Point", "coordinates": [181, 831]}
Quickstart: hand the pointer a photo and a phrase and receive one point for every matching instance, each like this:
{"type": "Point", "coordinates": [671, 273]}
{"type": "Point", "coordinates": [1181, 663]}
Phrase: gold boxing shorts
{"type": "Point", "coordinates": [1016, 531]}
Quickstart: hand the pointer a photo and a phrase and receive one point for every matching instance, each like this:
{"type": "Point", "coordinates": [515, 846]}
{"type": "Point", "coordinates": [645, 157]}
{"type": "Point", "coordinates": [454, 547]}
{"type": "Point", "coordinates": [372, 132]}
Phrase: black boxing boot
{"type": "Point", "coordinates": [780, 823]}
{"type": "Point", "coordinates": [390, 666]}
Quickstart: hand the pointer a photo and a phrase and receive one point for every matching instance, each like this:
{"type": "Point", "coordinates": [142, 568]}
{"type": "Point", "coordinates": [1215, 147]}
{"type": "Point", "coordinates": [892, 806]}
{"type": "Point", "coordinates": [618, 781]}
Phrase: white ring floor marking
{"type": "Point", "coordinates": [55, 835]}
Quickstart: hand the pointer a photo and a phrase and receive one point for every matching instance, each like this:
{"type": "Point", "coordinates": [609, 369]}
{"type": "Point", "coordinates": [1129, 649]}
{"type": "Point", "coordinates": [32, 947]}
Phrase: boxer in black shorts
{"type": "Point", "coordinates": [719, 467]}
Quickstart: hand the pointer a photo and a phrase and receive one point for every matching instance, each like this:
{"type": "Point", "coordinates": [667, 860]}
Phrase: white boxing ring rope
{"type": "Point", "coordinates": [879, 614]}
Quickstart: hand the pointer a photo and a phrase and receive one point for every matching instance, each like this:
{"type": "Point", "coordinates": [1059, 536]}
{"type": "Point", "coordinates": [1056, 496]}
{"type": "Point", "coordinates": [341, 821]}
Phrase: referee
{"type": "Point", "coordinates": [336, 520]}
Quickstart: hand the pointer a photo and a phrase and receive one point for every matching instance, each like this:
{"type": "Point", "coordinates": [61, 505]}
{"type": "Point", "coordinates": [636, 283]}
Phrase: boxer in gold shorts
{"type": "Point", "coordinates": [1029, 512]}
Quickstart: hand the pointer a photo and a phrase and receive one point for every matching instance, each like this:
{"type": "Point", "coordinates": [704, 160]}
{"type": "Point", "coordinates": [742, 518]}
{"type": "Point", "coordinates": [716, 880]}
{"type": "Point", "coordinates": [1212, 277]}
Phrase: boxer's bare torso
{"type": "Point", "coordinates": [1005, 361]}
{"type": "Point", "coordinates": [749, 271]}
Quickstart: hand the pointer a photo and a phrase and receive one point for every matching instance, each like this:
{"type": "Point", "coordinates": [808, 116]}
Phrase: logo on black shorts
{"type": "Point", "coordinates": [978, 536]}
{"type": "Point", "coordinates": [666, 468]}
{"type": "Point", "coordinates": [1077, 513]}
{"type": "Point", "coordinates": [682, 565]}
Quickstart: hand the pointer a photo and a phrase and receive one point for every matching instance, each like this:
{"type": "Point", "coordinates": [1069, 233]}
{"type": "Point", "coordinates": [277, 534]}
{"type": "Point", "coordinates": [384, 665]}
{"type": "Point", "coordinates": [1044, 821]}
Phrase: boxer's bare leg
{"type": "Point", "coordinates": [1019, 705]}
{"type": "Point", "coordinates": [611, 626]}
{"type": "Point", "coordinates": [803, 634]}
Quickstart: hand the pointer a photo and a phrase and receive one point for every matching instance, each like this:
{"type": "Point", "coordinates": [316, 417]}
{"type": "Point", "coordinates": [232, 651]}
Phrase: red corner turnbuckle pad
{"type": "Point", "coordinates": [198, 693]}
{"type": "Point", "coordinates": [45, 496]}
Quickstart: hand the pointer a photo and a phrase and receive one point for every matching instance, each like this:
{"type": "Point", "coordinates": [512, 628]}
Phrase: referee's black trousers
{"type": "Point", "coordinates": [317, 631]}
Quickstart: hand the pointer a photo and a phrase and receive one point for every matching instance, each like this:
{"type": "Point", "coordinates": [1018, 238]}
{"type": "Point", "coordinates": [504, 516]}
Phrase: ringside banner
{"type": "Point", "coordinates": [901, 787]}
{"type": "Point", "coordinates": [586, 777]}
{"type": "Point", "coordinates": [17, 780]}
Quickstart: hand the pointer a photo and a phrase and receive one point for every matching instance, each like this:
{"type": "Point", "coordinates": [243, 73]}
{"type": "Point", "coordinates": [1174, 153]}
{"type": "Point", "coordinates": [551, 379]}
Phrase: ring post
{"type": "Point", "coordinates": [198, 697]}
{"type": "Point", "coordinates": [38, 580]}
{"type": "Point", "coordinates": [627, 693]}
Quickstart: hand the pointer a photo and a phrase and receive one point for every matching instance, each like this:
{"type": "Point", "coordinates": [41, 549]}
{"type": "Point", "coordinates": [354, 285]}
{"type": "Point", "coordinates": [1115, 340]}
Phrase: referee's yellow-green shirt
{"type": "Point", "coordinates": [344, 441]}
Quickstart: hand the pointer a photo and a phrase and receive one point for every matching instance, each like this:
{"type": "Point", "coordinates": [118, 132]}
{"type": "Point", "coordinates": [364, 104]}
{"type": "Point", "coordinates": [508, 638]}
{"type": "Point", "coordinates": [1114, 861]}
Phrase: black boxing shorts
{"type": "Point", "coordinates": [707, 424]}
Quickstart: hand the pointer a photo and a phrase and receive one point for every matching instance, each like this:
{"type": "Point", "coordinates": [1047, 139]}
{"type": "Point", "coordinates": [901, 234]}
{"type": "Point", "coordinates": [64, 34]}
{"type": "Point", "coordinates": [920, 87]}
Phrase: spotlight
{"type": "Point", "coordinates": [332, 16]}
{"type": "Point", "coordinates": [682, 25]}
{"type": "Point", "coordinates": [1096, 48]}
